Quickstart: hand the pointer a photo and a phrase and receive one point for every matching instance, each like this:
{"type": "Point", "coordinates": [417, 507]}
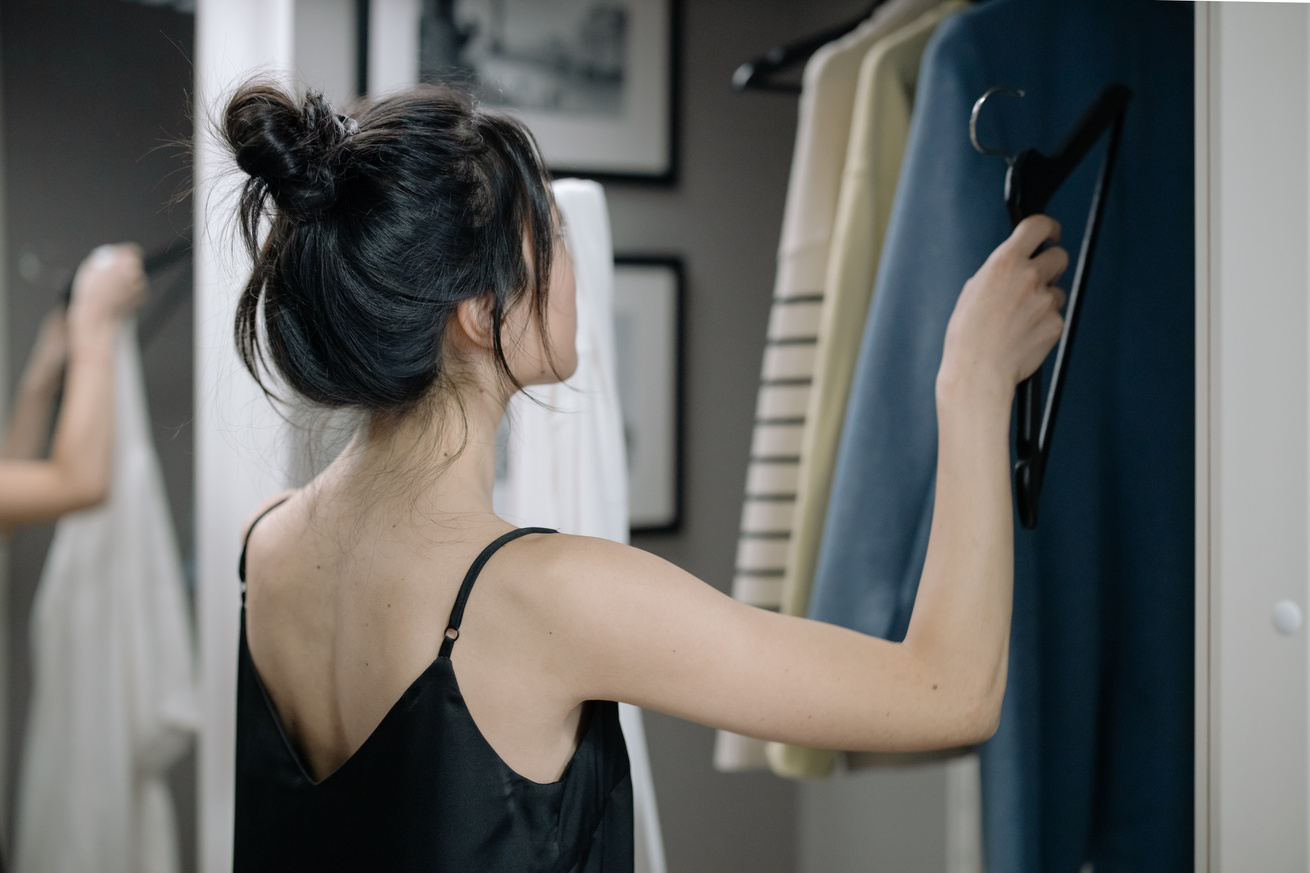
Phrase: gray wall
{"type": "Point", "coordinates": [94, 92]}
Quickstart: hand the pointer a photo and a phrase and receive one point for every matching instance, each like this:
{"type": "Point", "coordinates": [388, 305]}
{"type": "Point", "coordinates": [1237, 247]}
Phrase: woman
{"type": "Point", "coordinates": [393, 714]}
{"type": "Point", "coordinates": [74, 350]}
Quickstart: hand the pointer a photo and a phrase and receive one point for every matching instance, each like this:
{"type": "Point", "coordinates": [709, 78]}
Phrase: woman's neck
{"type": "Point", "coordinates": [435, 464]}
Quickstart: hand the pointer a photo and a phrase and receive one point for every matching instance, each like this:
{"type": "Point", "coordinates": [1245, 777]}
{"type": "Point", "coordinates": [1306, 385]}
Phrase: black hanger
{"type": "Point", "coordinates": [1031, 182]}
{"type": "Point", "coordinates": [165, 301]}
{"type": "Point", "coordinates": [760, 73]}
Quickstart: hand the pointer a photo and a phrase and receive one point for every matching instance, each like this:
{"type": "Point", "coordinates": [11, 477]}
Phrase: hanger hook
{"type": "Point", "coordinates": [973, 120]}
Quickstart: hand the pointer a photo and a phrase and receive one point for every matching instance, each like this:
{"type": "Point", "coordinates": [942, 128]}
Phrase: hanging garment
{"type": "Point", "coordinates": [113, 690]}
{"type": "Point", "coordinates": [823, 129]}
{"type": "Point", "coordinates": [567, 462]}
{"type": "Point", "coordinates": [426, 793]}
{"type": "Point", "coordinates": [880, 124]}
{"type": "Point", "coordinates": [1093, 758]}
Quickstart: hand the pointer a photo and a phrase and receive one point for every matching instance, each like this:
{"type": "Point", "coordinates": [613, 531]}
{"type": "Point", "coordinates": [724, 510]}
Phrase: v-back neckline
{"type": "Point", "coordinates": [414, 689]}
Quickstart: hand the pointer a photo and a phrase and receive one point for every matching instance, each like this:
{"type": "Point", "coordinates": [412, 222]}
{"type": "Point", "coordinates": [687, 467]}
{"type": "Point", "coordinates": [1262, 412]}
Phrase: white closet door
{"type": "Point", "coordinates": [1253, 447]}
{"type": "Point", "coordinates": [240, 456]}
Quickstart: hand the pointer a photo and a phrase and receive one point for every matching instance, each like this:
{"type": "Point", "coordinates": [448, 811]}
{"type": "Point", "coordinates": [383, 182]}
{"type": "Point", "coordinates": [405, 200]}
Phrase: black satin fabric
{"type": "Point", "coordinates": [426, 793]}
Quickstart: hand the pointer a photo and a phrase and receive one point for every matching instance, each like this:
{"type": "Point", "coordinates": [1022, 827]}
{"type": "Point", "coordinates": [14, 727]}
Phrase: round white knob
{"type": "Point", "coordinates": [1287, 617]}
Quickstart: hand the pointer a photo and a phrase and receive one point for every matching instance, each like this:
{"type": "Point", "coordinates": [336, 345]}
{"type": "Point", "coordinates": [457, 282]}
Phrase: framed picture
{"type": "Point", "coordinates": [593, 79]}
{"type": "Point", "coordinates": [648, 329]}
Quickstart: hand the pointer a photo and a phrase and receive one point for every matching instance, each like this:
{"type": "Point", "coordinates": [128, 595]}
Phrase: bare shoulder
{"type": "Point", "coordinates": [259, 549]}
{"type": "Point", "coordinates": [592, 589]}
{"type": "Point", "coordinates": [608, 608]}
{"type": "Point", "coordinates": [589, 554]}
{"type": "Point", "coordinates": [564, 564]}
{"type": "Point", "coordinates": [263, 509]}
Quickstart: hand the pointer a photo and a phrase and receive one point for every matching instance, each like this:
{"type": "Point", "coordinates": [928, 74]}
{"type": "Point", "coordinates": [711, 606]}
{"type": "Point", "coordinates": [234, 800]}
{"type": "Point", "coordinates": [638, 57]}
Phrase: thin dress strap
{"type": "Point", "coordinates": [457, 613]}
{"type": "Point", "coordinates": [245, 544]}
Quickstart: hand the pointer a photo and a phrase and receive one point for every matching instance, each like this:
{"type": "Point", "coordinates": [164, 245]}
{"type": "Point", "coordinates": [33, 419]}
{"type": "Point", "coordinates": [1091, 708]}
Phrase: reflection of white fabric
{"type": "Point", "coordinates": [114, 696]}
{"type": "Point", "coordinates": [567, 464]}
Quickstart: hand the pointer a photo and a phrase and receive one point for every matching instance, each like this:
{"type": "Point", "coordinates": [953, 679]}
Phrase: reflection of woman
{"type": "Point", "coordinates": [73, 350]}
{"type": "Point", "coordinates": [414, 271]}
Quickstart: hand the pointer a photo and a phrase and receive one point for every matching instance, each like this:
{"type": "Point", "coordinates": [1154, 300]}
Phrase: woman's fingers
{"type": "Point", "coordinates": [1007, 318]}
{"type": "Point", "coordinates": [1051, 264]}
{"type": "Point", "coordinates": [1030, 234]}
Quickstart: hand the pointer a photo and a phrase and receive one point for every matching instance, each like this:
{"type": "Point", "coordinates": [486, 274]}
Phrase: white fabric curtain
{"type": "Point", "coordinates": [114, 690]}
{"type": "Point", "coordinates": [567, 464]}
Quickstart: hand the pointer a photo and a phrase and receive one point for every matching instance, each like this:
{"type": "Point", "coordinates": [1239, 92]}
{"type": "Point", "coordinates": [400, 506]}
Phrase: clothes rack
{"type": "Point", "coordinates": [762, 73]}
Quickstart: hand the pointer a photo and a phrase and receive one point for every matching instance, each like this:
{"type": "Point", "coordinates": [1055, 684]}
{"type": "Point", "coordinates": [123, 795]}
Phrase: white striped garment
{"type": "Point", "coordinates": [826, 107]}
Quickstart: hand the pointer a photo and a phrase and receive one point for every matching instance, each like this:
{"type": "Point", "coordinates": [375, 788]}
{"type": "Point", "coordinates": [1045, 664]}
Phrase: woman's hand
{"type": "Point", "coordinates": [109, 284]}
{"type": "Point", "coordinates": [1008, 316]}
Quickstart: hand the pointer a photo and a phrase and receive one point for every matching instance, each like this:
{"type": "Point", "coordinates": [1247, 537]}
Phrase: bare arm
{"type": "Point", "coordinates": [108, 284]}
{"type": "Point", "coordinates": [29, 424]}
{"type": "Point", "coordinates": [621, 624]}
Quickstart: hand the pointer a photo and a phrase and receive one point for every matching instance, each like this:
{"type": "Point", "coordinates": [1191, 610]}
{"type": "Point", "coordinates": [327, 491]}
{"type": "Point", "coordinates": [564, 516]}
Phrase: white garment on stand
{"type": "Point", "coordinates": [567, 462]}
{"type": "Point", "coordinates": [114, 692]}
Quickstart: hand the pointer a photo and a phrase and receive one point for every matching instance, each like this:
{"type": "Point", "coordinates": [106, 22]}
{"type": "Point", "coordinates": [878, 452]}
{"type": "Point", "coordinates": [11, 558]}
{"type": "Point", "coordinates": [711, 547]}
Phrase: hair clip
{"type": "Point", "coordinates": [347, 125]}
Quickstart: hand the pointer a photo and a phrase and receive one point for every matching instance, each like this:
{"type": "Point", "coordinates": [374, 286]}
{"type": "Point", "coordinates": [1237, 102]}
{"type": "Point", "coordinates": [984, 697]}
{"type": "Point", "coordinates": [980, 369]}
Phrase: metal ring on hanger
{"type": "Point", "coordinates": [973, 120]}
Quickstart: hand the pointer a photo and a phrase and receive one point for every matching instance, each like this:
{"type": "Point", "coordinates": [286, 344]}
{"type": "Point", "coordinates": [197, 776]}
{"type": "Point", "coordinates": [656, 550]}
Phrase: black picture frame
{"type": "Point", "coordinates": [669, 177]}
{"type": "Point", "coordinates": [640, 145]}
{"type": "Point", "coordinates": [651, 388]}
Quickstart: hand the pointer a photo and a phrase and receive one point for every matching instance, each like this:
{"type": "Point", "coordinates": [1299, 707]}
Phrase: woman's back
{"type": "Point", "coordinates": [357, 743]}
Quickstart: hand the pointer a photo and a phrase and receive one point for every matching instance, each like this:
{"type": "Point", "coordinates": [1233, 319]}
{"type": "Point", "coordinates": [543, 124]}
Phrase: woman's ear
{"type": "Point", "coordinates": [475, 320]}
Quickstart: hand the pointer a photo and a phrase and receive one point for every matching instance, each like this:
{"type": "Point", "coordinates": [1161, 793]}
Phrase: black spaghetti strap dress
{"type": "Point", "coordinates": [425, 792]}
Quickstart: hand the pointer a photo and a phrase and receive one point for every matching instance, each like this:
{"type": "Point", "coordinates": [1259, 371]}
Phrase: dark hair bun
{"type": "Point", "coordinates": [292, 150]}
{"type": "Point", "coordinates": [378, 231]}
